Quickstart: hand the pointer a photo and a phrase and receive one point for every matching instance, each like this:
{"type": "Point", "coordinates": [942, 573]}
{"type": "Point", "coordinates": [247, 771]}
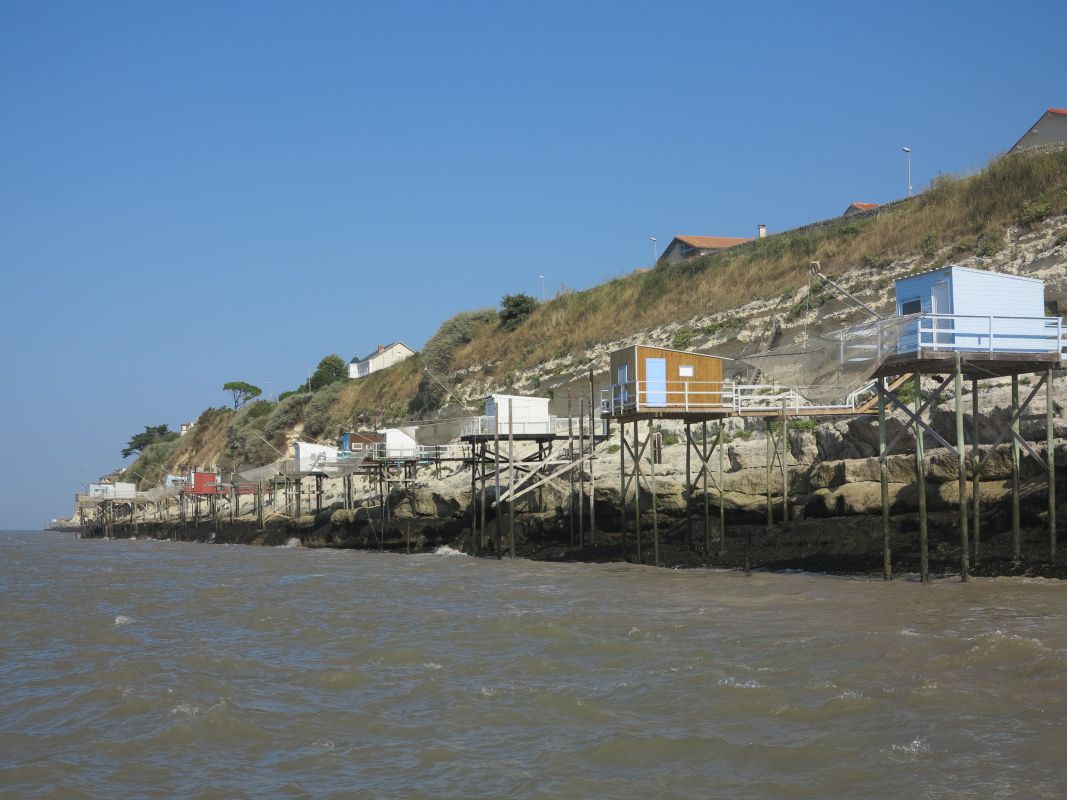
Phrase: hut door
{"type": "Point", "coordinates": [656, 381]}
{"type": "Point", "coordinates": [941, 303]}
{"type": "Point", "coordinates": [622, 377]}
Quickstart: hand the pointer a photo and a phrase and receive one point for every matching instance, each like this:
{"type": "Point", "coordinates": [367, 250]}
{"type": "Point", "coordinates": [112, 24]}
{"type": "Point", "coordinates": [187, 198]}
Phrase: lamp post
{"type": "Point", "coordinates": [907, 154]}
{"type": "Point", "coordinates": [542, 277]}
{"type": "Point", "coordinates": [655, 252]}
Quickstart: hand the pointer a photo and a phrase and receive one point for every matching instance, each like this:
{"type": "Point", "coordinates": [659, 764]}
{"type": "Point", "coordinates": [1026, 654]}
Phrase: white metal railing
{"type": "Point", "coordinates": [985, 334]}
{"type": "Point", "coordinates": [725, 397]}
{"type": "Point", "coordinates": [380, 451]}
{"type": "Point", "coordinates": [556, 426]}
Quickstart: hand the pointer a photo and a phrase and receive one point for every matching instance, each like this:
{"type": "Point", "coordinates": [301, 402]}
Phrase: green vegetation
{"type": "Point", "coordinates": [439, 354]}
{"type": "Point", "coordinates": [515, 309]}
{"type": "Point", "coordinates": [952, 210]}
{"type": "Point", "coordinates": [242, 392]}
{"type": "Point", "coordinates": [331, 369]}
{"type": "Point", "coordinates": [1034, 212]}
{"type": "Point", "coordinates": [152, 433]}
{"type": "Point", "coordinates": [683, 337]}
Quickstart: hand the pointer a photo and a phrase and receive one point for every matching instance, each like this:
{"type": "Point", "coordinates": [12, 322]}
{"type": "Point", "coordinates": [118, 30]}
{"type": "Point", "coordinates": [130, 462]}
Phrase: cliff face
{"type": "Point", "coordinates": [1011, 217]}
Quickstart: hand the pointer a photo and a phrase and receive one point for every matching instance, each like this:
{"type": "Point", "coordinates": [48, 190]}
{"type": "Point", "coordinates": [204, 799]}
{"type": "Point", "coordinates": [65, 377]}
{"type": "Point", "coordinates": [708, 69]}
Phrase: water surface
{"type": "Point", "coordinates": [156, 669]}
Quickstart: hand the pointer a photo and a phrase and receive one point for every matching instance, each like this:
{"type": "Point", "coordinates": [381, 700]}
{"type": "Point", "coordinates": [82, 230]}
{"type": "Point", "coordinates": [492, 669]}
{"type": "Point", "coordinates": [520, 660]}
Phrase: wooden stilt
{"type": "Point", "coordinates": [707, 503]}
{"type": "Point", "coordinates": [592, 462]}
{"type": "Point", "coordinates": [1016, 532]}
{"type": "Point", "coordinates": [976, 490]}
{"type": "Point", "coordinates": [688, 487]}
{"type": "Point", "coordinates": [622, 483]}
{"type": "Point", "coordinates": [655, 514]}
{"type": "Point", "coordinates": [770, 467]}
{"type": "Point", "coordinates": [474, 497]}
{"type": "Point", "coordinates": [1050, 461]}
{"type": "Point", "coordinates": [784, 462]}
{"type": "Point", "coordinates": [920, 479]}
{"type": "Point", "coordinates": [637, 491]}
{"type": "Point", "coordinates": [496, 479]}
{"type": "Point", "coordinates": [883, 474]}
{"type": "Point", "coordinates": [570, 473]}
{"type": "Point", "coordinates": [722, 500]}
{"type": "Point", "coordinates": [511, 480]}
{"type": "Point", "coordinates": [481, 513]}
{"type": "Point", "coordinates": [581, 474]}
{"type": "Point", "coordinates": [961, 449]}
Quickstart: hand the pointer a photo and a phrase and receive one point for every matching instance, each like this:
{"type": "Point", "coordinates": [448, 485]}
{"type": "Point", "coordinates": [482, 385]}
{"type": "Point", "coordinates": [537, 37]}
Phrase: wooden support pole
{"type": "Point", "coordinates": [707, 503]}
{"type": "Point", "coordinates": [770, 468]}
{"type": "Point", "coordinates": [920, 480]}
{"type": "Point", "coordinates": [961, 449]}
{"type": "Point", "coordinates": [655, 514]}
{"type": "Point", "coordinates": [622, 483]}
{"type": "Point", "coordinates": [581, 474]}
{"type": "Point", "coordinates": [722, 500]}
{"type": "Point", "coordinates": [474, 497]}
{"type": "Point", "coordinates": [1016, 532]}
{"type": "Point", "coordinates": [883, 470]}
{"type": "Point", "coordinates": [637, 491]}
{"type": "Point", "coordinates": [570, 473]}
{"type": "Point", "coordinates": [1050, 460]}
{"type": "Point", "coordinates": [496, 478]}
{"type": "Point", "coordinates": [259, 506]}
{"type": "Point", "coordinates": [484, 531]}
{"type": "Point", "coordinates": [511, 480]}
{"type": "Point", "coordinates": [592, 461]}
{"type": "Point", "coordinates": [688, 486]}
{"type": "Point", "coordinates": [784, 462]}
{"type": "Point", "coordinates": [299, 492]}
{"type": "Point", "coordinates": [976, 490]}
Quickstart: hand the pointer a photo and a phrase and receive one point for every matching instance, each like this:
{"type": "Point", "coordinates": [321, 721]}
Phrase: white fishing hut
{"type": "Point", "coordinates": [975, 311]}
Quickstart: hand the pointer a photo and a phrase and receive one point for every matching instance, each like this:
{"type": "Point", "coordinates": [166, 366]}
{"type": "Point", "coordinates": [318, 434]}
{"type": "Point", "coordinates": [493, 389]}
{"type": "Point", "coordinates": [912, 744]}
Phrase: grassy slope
{"type": "Point", "coordinates": [955, 217]}
{"type": "Point", "coordinates": [965, 214]}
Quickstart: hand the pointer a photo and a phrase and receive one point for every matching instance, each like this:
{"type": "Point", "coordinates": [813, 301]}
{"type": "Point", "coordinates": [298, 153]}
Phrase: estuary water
{"type": "Point", "coordinates": [155, 669]}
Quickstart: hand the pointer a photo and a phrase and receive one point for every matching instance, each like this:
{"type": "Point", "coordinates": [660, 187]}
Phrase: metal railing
{"type": "Point", "coordinates": [554, 426]}
{"type": "Point", "coordinates": [985, 334]}
{"type": "Point", "coordinates": [724, 397]}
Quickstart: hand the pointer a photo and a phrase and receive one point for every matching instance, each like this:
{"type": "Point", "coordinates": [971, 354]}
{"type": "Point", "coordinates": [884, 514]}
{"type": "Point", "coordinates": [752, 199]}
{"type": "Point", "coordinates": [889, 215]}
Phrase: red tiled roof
{"type": "Point", "coordinates": [1060, 111]}
{"type": "Point", "coordinates": [864, 206]}
{"type": "Point", "coordinates": [712, 242]}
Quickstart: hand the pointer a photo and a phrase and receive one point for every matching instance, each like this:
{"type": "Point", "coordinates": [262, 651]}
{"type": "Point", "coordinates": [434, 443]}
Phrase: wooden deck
{"type": "Point", "coordinates": [974, 364]}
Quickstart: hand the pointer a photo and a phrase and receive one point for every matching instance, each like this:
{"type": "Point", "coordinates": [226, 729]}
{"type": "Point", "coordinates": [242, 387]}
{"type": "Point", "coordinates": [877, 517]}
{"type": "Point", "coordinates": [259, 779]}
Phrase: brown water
{"type": "Point", "coordinates": [151, 669]}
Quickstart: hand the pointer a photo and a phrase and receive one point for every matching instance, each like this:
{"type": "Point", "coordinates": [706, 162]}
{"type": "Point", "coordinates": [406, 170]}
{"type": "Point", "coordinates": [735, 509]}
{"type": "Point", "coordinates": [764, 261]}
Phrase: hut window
{"type": "Point", "coordinates": [912, 306]}
{"type": "Point", "coordinates": [685, 371]}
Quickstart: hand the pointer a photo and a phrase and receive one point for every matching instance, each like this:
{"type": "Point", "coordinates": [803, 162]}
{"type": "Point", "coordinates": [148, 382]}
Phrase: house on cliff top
{"type": "Point", "coordinates": [1049, 131]}
{"type": "Point", "coordinates": [683, 247]}
{"type": "Point", "coordinates": [385, 356]}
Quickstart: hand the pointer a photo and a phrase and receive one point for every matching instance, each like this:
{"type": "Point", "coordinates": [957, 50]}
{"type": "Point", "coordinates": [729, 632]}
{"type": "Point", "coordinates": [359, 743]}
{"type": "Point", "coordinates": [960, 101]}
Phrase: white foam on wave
{"type": "Point", "coordinates": [445, 550]}
{"type": "Point", "coordinates": [913, 747]}
{"type": "Point", "coordinates": [122, 619]}
{"type": "Point", "coordinates": [292, 541]}
{"type": "Point", "coordinates": [740, 684]}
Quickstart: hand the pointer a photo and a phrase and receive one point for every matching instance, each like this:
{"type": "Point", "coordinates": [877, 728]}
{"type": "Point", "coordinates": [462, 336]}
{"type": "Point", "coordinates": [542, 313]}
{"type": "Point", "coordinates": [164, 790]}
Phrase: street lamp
{"type": "Point", "coordinates": [542, 277]}
{"type": "Point", "coordinates": [655, 253]}
{"type": "Point", "coordinates": [907, 154]}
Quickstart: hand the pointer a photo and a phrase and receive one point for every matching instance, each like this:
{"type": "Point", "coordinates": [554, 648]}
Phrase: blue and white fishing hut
{"type": "Point", "coordinates": [975, 311]}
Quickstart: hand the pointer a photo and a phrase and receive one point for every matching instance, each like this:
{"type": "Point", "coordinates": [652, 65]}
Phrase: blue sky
{"type": "Point", "coordinates": [200, 192]}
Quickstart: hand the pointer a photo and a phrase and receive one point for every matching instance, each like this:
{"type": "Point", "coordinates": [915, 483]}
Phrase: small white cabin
{"type": "Point", "coordinates": [310, 456]}
{"type": "Point", "coordinates": [526, 414]}
{"type": "Point", "coordinates": [399, 443]}
{"type": "Point", "coordinates": [973, 310]}
{"type": "Point", "coordinates": [113, 491]}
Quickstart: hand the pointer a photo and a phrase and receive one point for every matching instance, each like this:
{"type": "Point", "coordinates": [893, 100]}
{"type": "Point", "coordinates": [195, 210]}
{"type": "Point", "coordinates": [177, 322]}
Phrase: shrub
{"type": "Point", "coordinates": [515, 309]}
{"type": "Point", "coordinates": [440, 351]}
{"type": "Point", "coordinates": [990, 243]}
{"type": "Point", "coordinates": [929, 245]}
{"type": "Point", "coordinates": [331, 369]}
{"type": "Point", "coordinates": [877, 262]}
{"type": "Point", "coordinates": [1034, 212]}
{"type": "Point", "coordinates": [683, 337]}
{"type": "Point", "coordinates": [317, 411]}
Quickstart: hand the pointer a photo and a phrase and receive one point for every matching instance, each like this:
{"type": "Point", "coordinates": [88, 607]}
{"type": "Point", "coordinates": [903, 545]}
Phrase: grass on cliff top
{"type": "Point", "coordinates": [957, 216]}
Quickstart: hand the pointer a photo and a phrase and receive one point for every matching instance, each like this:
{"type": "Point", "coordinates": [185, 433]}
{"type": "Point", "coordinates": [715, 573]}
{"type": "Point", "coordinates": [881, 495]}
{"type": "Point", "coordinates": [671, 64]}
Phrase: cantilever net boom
{"type": "Point", "coordinates": [826, 368]}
